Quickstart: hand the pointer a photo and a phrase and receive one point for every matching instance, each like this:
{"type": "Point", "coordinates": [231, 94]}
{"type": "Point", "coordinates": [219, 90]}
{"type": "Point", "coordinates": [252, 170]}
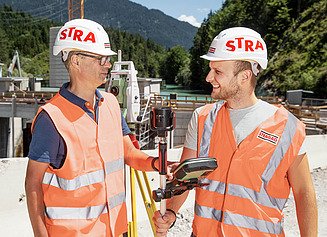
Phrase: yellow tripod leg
{"type": "Point", "coordinates": [132, 226]}
{"type": "Point", "coordinates": [153, 205]}
{"type": "Point", "coordinates": [150, 206]}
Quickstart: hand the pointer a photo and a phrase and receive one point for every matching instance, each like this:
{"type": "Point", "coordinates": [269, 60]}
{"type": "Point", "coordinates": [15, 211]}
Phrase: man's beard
{"type": "Point", "coordinates": [229, 92]}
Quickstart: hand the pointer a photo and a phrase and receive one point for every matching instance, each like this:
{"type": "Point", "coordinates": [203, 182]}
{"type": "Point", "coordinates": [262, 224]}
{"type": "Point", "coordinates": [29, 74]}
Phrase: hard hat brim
{"type": "Point", "coordinates": [211, 58]}
{"type": "Point", "coordinates": [110, 53]}
{"type": "Point", "coordinates": [262, 63]}
{"type": "Point", "coordinates": [107, 52]}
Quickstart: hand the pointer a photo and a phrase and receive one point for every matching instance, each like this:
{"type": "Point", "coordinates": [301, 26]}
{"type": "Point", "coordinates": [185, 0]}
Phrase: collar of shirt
{"type": "Point", "coordinates": [64, 92]}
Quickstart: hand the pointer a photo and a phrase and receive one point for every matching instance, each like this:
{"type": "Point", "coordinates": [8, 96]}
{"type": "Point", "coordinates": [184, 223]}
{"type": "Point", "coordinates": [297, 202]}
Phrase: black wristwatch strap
{"type": "Point", "coordinates": [152, 163]}
{"type": "Point", "coordinates": [175, 217]}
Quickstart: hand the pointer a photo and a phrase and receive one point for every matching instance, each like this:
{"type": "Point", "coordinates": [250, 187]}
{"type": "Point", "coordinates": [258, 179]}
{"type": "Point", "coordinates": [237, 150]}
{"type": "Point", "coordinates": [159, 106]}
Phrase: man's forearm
{"type": "Point", "coordinates": [304, 195]}
{"type": "Point", "coordinates": [307, 214]}
{"type": "Point", "coordinates": [35, 207]}
{"type": "Point", "coordinates": [136, 158]}
{"type": "Point", "coordinates": [176, 202]}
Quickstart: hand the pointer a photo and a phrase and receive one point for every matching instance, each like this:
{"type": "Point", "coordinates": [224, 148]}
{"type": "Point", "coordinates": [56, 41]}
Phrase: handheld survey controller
{"type": "Point", "coordinates": [186, 177]}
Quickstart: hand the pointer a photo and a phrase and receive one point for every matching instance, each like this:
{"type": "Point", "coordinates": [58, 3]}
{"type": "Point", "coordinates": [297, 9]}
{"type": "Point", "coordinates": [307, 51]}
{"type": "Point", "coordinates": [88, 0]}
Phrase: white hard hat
{"type": "Point", "coordinates": [84, 35]}
{"type": "Point", "coordinates": [238, 43]}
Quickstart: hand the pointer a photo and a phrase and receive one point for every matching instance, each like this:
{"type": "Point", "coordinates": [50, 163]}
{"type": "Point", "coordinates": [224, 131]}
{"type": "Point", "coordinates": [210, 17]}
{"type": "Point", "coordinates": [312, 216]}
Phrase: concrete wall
{"type": "Point", "coordinates": [58, 72]}
{"type": "Point", "coordinates": [316, 146]}
{"type": "Point", "coordinates": [4, 136]}
{"type": "Point", "coordinates": [7, 149]}
{"type": "Point", "coordinates": [182, 120]}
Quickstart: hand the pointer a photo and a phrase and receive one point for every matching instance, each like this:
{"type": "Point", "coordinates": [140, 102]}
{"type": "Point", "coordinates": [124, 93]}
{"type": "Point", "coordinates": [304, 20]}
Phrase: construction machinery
{"type": "Point", "coordinates": [14, 62]}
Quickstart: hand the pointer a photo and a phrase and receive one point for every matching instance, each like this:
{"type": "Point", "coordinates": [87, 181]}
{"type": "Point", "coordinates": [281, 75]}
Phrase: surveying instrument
{"type": "Point", "coordinates": [187, 175]}
{"type": "Point", "coordinates": [123, 84]}
{"type": "Point", "coordinates": [162, 120]}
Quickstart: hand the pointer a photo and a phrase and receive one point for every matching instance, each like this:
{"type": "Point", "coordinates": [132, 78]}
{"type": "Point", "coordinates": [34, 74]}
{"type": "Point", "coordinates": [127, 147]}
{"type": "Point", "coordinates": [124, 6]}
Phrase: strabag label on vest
{"type": "Point", "coordinates": [268, 137]}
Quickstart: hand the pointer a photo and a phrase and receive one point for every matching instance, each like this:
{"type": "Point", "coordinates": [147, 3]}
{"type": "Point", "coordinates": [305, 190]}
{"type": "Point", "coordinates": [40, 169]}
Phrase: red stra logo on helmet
{"type": "Point", "coordinates": [77, 35]}
{"type": "Point", "coordinates": [244, 44]}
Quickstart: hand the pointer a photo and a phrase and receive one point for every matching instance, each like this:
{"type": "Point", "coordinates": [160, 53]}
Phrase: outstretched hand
{"type": "Point", "coordinates": [170, 169]}
{"type": "Point", "coordinates": [163, 223]}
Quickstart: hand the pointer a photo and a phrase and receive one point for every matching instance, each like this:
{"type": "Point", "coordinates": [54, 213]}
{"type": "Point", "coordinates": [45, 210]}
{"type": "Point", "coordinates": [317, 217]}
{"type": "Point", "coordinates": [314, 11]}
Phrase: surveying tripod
{"type": "Point", "coordinates": [187, 175]}
{"type": "Point", "coordinates": [146, 193]}
{"type": "Point", "coordinates": [162, 120]}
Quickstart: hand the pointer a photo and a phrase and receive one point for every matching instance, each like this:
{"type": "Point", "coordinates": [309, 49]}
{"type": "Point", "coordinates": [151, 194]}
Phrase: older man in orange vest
{"type": "Point", "coordinates": [258, 148]}
{"type": "Point", "coordinates": [75, 175]}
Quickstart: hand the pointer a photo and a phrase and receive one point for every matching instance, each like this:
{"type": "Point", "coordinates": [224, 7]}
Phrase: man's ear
{"type": "Point", "coordinates": [246, 76]}
{"type": "Point", "coordinates": [75, 61]}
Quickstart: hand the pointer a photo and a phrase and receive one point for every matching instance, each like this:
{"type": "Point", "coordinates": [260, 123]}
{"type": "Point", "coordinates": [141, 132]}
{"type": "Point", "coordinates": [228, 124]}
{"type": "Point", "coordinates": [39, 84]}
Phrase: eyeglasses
{"type": "Point", "coordinates": [102, 59]}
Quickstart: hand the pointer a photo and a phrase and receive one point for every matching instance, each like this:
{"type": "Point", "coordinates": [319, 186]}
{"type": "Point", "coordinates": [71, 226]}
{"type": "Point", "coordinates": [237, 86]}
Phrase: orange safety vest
{"type": "Point", "coordinates": [86, 196]}
{"type": "Point", "coordinates": [249, 189]}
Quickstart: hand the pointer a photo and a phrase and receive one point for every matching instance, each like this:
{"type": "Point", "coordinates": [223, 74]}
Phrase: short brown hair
{"type": "Point", "coordinates": [245, 65]}
{"type": "Point", "coordinates": [68, 60]}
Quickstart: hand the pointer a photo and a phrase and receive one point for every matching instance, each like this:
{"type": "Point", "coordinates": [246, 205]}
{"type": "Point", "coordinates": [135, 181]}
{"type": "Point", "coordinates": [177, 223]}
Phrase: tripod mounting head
{"type": "Point", "coordinates": [162, 120]}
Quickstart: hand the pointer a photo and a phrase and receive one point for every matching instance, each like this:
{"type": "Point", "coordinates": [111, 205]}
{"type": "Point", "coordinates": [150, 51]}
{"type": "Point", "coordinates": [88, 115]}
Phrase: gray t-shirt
{"type": "Point", "coordinates": [244, 122]}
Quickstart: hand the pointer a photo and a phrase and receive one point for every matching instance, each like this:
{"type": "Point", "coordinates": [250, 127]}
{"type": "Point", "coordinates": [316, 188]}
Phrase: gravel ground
{"type": "Point", "coordinates": [4, 164]}
{"type": "Point", "coordinates": [183, 225]}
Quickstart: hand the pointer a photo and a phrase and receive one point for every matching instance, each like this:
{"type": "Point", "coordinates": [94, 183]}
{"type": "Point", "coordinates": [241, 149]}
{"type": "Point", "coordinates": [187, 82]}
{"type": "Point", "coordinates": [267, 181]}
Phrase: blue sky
{"type": "Point", "coordinates": [192, 11]}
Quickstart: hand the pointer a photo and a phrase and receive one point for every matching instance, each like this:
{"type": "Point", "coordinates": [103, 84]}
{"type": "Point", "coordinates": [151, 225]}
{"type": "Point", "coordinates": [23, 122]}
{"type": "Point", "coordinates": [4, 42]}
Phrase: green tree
{"type": "Point", "coordinates": [177, 60]}
{"type": "Point", "coordinates": [5, 46]}
{"type": "Point", "coordinates": [295, 34]}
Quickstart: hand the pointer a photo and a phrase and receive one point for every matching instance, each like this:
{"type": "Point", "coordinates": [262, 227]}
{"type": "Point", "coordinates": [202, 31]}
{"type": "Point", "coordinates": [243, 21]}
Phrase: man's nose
{"type": "Point", "coordinates": [108, 64]}
{"type": "Point", "coordinates": [210, 76]}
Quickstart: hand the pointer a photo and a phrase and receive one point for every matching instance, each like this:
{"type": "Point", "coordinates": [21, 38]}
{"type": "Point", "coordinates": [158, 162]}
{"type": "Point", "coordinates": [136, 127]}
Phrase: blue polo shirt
{"type": "Point", "coordinates": [47, 145]}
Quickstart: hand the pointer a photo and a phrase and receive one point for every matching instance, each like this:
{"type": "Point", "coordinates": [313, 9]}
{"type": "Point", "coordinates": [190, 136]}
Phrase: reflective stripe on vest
{"type": "Point", "coordinates": [85, 179]}
{"type": "Point", "coordinates": [86, 212]}
{"type": "Point", "coordinates": [206, 136]}
{"type": "Point", "coordinates": [238, 220]}
{"type": "Point", "coordinates": [89, 187]}
{"type": "Point", "coordinates": [73, 184]}
{"type": "Point", "coordinates": [261, 197]}
{"type": "Point", "coordinates": [116, 200]}
{"type": "Point", "coordinates": [70, 213]}
{"type": "Point", "coordinates": [114, 166]}
{"type": "Point", "coordinates": [252, 223]}
{"type": "Point", "coordinates": [208, 212]}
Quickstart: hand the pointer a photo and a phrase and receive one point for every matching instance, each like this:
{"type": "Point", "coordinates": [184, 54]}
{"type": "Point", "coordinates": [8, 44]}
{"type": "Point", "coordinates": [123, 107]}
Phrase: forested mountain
{"type": "Point", "coordinates": [119, 14]}
{"type": "Point", "coordinates": [30, 36]}
{"type": "Point", "coordinates": [295, 32]}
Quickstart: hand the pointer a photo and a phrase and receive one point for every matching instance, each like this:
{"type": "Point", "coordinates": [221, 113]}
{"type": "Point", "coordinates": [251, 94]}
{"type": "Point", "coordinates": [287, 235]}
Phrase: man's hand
{"type": "Point", "coordinates": [170, 169]}
{"type": "Point", "coordinates": [163, 223]}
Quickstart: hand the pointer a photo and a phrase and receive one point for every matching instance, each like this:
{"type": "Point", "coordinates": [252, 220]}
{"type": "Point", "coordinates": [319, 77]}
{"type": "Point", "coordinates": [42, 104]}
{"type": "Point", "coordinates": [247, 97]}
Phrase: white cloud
{"type": "Point", "coordinates": [190, 19]}
{"type": "Point", "coordinates": [205, 10]}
